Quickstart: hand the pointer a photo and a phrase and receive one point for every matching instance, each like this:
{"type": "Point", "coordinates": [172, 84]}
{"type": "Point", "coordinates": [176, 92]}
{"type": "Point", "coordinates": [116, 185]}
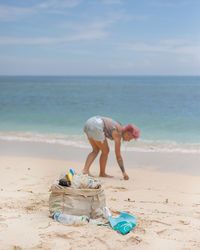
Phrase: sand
{"type": "Point", "coordinates": [166, 201]}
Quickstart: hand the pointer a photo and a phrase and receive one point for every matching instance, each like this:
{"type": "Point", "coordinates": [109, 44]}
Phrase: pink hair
{"type": "Point", "coordinates": [132, 129]}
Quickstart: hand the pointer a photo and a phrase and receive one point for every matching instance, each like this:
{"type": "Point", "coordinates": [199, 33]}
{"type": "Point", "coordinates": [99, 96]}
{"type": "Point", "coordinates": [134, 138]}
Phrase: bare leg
{"type": "Point", "coordinates": [91, 157]}
{"type": "Point", "coordinates": [103, 161]}
{"type": "Point", "coordinates": [103, 158]}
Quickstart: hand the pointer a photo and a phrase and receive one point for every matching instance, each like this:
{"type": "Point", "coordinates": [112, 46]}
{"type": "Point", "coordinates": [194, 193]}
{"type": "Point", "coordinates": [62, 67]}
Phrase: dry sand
{"type": "Point", "coordinates": [166, 204]}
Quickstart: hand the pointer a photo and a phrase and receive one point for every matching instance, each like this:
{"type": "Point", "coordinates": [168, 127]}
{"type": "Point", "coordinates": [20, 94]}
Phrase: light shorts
{"type": "Point", "coordinates": [94, 128]}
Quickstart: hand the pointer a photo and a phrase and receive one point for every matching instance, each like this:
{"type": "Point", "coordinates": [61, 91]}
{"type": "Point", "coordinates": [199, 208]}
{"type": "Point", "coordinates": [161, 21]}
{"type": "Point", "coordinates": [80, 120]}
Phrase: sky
{"type": "Point", "coordinates": [99, 37]}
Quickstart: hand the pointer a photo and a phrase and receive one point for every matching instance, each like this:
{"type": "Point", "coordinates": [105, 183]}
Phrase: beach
{"type": "Point", "coordinates": [41, 136]}
{"type": "Point", "coordinates": [137, 63]}
{"type": "Point", "coordinates": [132, 64]}
{"type": "Point", "coordinates": [163, 193]}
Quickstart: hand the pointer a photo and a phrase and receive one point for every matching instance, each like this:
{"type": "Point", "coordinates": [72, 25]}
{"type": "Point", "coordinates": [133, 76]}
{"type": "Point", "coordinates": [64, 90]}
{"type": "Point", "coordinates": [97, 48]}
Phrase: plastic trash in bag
{"type": "Point", "coordinates": [65, 178]}
{"type": "Point", "coordinates": [103, 220]}
{"type": "Point", "coordinates": [83, 197]}
{"type": "Point", "coordinates": [85, 181]}
{"type": "Point", "coordinates": [106, 213]}
{"type": "Point", "coordinates": [124, 223]}
{"type": "Point", "coordinates": [70, 219]}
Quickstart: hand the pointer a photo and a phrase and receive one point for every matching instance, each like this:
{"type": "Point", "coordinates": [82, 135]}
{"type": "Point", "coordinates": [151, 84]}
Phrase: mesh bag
{"type": "Point", "coordinates": [74, 201]}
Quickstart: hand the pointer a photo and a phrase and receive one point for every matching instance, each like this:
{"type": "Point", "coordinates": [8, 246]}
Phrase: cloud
{"type": "Point", "coordinates": [92, 26]}
{"type": "Point", "coordinates": [29, 41]}
{"type": "Point", "coordinates": [8, 13]}
{"type": "Point", "coordinates": [172, 4]}
{"type": "Point", "coordinates": [77, 31]}
{"type": "Point", "coordinates": [12, 13]}
{"type": "Point", "coordinates": [112, 1]}
{"type": "Point", "coordinates": [81, 36]}
{"type": "Point", "coordinates": [59, 4]}
{"type": "Point", "coordinates": [168, 46]}
{"type": "Point", "coordinates": [122, 65]}
{"type": "Point", "coordinates": [164, 4]}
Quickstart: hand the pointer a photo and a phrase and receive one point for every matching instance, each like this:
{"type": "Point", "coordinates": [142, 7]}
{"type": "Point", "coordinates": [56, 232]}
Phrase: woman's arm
{"type": "Point", "coordinates": [117, 139]}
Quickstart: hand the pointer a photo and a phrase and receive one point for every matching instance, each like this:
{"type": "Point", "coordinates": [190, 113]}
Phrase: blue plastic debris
{"type": "Point", "coordinates": [124, 223]}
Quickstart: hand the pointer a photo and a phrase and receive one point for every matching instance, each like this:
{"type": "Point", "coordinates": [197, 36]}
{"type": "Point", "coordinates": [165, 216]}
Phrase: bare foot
{"type": "Point", "coordinates": [105, 175]}
{"type": "Point", "coordinates": [87, 172]}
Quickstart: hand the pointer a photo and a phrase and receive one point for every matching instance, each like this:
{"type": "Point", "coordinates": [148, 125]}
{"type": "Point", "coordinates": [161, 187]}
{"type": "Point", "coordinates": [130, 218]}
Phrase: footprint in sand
{"type": "Point", "coordinates": [62, 235]}
{"type": "Point", "coordinates": [101, 243]}
{"type": "Point", "coordinates": [46, 245]}
{"type": "Point", "coordinates": [68, 235]}
{"type": "Point", "coordinates": [139, 230]}
{"type": "Point", "coordinates": [117, 188]}
{"type": "Point", "coordinates": [160, 222]}
{"type": "Point", "coordinates": [135, 240]}
{"type": "Point", "coordinates": [17, 248]}
{"type": "Point", "coordinates": [162, 232]}
{"type": "Point", "coordinates": [184, 222]}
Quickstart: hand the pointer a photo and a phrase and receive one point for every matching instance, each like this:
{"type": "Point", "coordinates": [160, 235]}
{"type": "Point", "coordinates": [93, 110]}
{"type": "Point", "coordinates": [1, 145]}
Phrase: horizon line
{"type": "Point", "coordinates": [111, 75]}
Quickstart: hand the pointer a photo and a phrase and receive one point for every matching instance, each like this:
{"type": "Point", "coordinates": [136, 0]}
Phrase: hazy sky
{"type": "Point", "coordinates": [100, 37]}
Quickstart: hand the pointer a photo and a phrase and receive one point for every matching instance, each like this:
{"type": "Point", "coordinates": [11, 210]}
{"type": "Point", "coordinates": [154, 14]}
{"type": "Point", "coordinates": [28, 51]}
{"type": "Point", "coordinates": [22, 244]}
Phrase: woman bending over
{"type": "Point", "coordinates": [98, 129]}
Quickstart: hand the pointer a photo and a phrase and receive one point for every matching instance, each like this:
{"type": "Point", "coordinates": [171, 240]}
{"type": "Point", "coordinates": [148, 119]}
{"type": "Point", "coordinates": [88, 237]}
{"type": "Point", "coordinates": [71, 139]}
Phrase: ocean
{"type": "Point", "coordinates": [53, 109]}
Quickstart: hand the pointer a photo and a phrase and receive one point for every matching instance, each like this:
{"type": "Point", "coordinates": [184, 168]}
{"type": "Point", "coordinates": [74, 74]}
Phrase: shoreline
{"type": "Point", "coordinates": [80, 141]}
{"type": "Point", "coordinates": [176, 162]}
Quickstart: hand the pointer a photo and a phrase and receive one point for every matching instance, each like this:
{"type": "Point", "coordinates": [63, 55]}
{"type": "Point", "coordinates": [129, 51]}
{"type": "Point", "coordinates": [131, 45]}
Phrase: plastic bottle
{"type": "Point", "coordinates": [71, 171]}
{"type": "Point", "coordinates": [106, 213]}
{"type": "Point", "coordinates": [71, 219]}
{"type": "Point", "coordinates": [69, 176]}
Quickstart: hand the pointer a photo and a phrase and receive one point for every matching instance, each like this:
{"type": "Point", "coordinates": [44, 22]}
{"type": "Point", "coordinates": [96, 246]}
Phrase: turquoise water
{"type": "Point", "coordinates": [166, 109]}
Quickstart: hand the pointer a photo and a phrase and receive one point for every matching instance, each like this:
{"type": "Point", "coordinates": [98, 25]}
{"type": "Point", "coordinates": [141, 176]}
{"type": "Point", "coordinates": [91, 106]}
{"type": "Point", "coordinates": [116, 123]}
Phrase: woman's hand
{"type": "Point", "coordinates": [117, 139]}
{"type": "Point", "coordinates": [126, 177]}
